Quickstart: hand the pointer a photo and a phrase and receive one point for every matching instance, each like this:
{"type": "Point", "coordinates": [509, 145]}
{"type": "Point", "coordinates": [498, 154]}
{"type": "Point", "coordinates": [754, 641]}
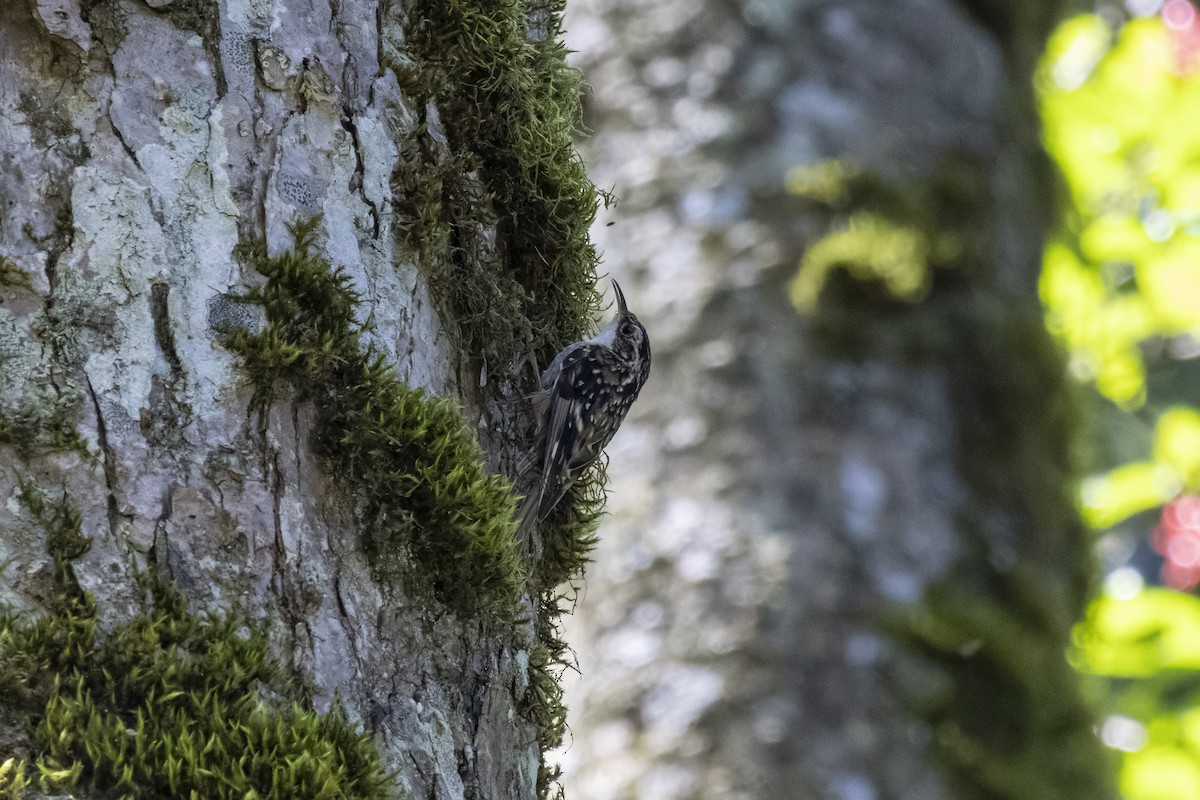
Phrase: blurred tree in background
{"type": "Point", "coordinates": [845, 560]}
{"type": "Point", "coordinates": [1121, 283]}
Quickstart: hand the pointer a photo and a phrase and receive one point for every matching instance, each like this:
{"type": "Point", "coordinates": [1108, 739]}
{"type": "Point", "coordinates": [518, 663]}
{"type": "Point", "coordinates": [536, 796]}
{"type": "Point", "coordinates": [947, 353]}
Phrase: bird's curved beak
{"type": "Point", "coordinates": [620, 297]}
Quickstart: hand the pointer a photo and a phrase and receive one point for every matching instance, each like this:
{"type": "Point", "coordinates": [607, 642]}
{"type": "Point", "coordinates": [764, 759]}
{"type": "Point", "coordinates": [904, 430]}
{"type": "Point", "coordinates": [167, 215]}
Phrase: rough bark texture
{"type": "Point", "coordinates": [843, 561]}
{"type": "Point", "coordinates": [141, 143]}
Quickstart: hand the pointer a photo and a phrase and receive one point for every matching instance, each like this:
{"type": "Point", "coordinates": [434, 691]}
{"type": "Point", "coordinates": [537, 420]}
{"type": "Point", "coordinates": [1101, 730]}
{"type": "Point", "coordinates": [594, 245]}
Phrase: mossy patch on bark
{"type": "Point", "coordinates": [13, 276]}
{"type": "Point", "coordinates": [495, 74]}
{"type": "Point", "coordinates": [497, 206]}
{"type": "Point", "coordinates": [40, 429]}
{"type": "Point", "coordinates": [415, 473]}
{"type": "Point", "coordinates": [168, 704]}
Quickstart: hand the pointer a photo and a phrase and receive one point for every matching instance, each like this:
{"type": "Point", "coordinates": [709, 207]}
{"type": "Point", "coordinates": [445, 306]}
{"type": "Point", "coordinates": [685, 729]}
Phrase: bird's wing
{"type": "Point", "coordinates": [565, 456]}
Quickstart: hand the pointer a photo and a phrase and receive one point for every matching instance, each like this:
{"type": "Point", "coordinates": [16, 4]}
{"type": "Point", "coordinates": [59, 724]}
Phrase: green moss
{"type": "Point", "coordinates": [871, 248]}
{"type": "Point", "coordinates": [14, 778]}
{"type": "Point", "coordinates": [108, 20]}
{"type": "Point", "coordinates": [42, 428]}
{"type": "Point", "coordinates": [1007, 713]}
{"type": "Point", "coordinates": [499, 157]}
{"type": "Point", "coordinates": [543, 704]}
{"type": "Point", "coordinates": [509, 105]}
{"type": "Point", "coordinates": [169, 704]}
{"type": "Point", "coordinates": [63, 525]}
{"type": "Point", "coordinates": [415, 472]}
{"type": "Point", "coordinates": [13, 276]}
{"type": "Point", "coordinates": [41, 419]}
{"type": "Point", "coordinates": [569, 533]}
{"type": "Point", "coordinates": [201, 16]}
{"type": "Point", "coordinates": [1017, 725]}
{"type": "Point", "coordinates": [49, 123]}
{"type": "Point", "coordinates": [893, 240]}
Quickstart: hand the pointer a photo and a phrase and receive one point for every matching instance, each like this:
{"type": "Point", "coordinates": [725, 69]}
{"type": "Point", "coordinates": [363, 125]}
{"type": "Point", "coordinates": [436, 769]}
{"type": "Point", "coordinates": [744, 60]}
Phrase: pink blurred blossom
{"type": "Point", "coordinates": [1177, 539]}
{"type": "Point", "coordinates": [1183, 26]}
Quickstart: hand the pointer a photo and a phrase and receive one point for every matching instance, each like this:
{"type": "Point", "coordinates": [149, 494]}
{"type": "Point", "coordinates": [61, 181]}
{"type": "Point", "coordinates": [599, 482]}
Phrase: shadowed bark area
{"type": "Point", "coordinates": [844, 559]}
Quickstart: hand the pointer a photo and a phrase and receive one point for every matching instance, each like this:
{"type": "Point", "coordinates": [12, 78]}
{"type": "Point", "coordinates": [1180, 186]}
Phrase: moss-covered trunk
{"type": "Point", "coordinates": [272, 274]}
{"type": "Point", "coordinates": [851, 566]}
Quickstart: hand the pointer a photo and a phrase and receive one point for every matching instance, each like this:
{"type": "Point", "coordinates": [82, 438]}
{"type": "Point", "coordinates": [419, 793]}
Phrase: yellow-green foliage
{"type": "Point", "coordinates": [1119, 284]}
{"type": "Point", "coordinates": [1121, 277]}
{"type": "Point", "coordinates": [1123, 124]}
{"type": "Point", "coordinates": [1141, 649]}
{"type": "Point", "coordinates": [416, 473]}
{"type": "Point", "coordinates": [1172, 466]}
{"type": "Point", "coordinates": [168, 705]}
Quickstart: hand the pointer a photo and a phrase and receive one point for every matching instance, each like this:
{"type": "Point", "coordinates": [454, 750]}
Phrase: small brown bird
{"type": "Point", "coordinates": [585, 394]}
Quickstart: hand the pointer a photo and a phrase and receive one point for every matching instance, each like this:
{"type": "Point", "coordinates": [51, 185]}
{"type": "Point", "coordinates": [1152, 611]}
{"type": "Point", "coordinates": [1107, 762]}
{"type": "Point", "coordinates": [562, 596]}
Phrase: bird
{"type": "Point", "coordinates": [584, 396]}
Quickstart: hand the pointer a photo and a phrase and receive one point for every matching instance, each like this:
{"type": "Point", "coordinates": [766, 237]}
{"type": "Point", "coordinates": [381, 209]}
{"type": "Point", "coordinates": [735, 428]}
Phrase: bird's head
{"type": "Point", "coordinates": [626, 336]}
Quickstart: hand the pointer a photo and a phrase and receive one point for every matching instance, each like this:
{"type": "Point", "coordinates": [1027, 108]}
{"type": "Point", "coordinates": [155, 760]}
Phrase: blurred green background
{"type": "Point", "coordinates": [1120, 97]}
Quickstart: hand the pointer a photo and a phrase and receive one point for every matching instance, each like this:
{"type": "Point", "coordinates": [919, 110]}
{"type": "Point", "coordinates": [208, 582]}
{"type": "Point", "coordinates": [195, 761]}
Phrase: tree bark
{"type": "Point", "coordinates": [843, 560]}
{"type": "Point", "coordinates": [148, 146]}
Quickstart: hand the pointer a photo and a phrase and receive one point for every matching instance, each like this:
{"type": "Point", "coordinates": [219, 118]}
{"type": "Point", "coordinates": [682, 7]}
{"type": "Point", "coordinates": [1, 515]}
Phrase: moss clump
{"type": "Point", "coordinates": [13, 276]}
{"type": "Point", "coordinates": [417, 475]}
{"type": "Point", "coordinates": [65, 541]}
{"type": "Point", "coordinates": [14, 779]}
{"type": "Point", "coordinates": [51, 126]}
{"type": "Point", "coordinates": [37, 429]}
{"type": "Point", "coordinates": [870, 284]}
{"type": "Point", "coordinates": [543, 704]}
{"type": "Point", "coordinates": [894, 241]}
{"type": "Point", "coordinates": [872, 248]}
{"type": "Point", "coordinates": [569, 533]}
{"type": "Point", "coordinates": [201, 16]}
{"type": "Point", "coordinates": [204, 18]}
{"type": "Point", "coordinates": [501, 107]}
{"type": "Point", "coordinates": [496, 71]}
{"type": "Point", "coordinates": [108, 20]}
{"type": "Point", "coordinates": [43, 421]}
{"type": "Point", "coordinates": [168, 705]}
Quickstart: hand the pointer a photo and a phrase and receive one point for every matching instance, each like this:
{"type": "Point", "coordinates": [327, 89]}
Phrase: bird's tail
{"type": "Point", "coordinates": [528, 514]}
{"type": "Point", "coordinates": [529, 508]}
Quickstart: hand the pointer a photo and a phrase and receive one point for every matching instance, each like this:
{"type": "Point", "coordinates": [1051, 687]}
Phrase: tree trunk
{"type": "Point", "coordinates": [844, 560]}
{"type": "Point", "coordinates": [229, 484]}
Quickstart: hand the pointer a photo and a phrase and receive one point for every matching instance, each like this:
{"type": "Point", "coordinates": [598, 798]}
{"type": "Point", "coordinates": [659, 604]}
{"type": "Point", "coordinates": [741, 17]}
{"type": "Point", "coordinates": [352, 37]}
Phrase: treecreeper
{"type": "Point", "coordinates": [584, 396]}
